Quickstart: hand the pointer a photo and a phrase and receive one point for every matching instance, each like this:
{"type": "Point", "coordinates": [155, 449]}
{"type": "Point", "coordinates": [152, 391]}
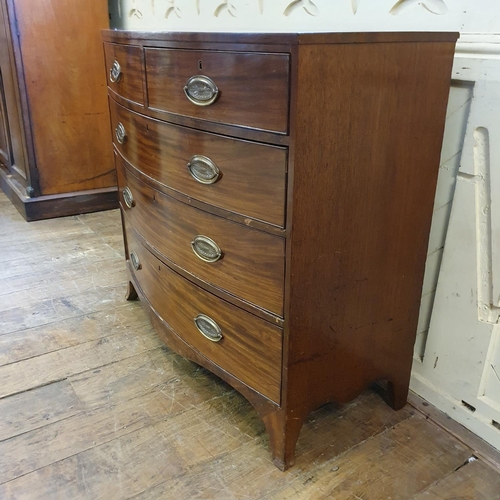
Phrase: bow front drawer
{"type": "Point", "coordinates": [242, 261]}
{"type": "Point", "coordinates": [240, 176]}
{"type": "Point", "coordinates": [125, 71]}
{"type": "Point", "coordinates": [234, 88]}
{"type": "Point", "coordinates": [240, 343]}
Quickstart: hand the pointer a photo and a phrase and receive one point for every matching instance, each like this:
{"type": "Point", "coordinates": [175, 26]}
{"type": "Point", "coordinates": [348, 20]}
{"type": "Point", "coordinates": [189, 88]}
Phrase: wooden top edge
{"type": "Point", "coordinates": [378, 37]}
{"type": "Point", "coordinates": [279, 38]}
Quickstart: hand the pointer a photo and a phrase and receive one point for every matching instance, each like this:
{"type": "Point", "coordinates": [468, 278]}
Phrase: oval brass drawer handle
{"type": "Point", "coordinates": [203, 169]}
{"type": "Point", "coordinates": [128, 198]}
{"type": "Point", "coordinates": [115, 73]}
{"type": "Point", "coordinates": [206, 249]}
{"type": "Point", "coordinates": [201, 90]}
{"type": "Point", "coordinates": [208, 328]}
{"type": "Point", "coordinates": [134, 260]}
{"type": "Point", "coordinates": [121, 133]}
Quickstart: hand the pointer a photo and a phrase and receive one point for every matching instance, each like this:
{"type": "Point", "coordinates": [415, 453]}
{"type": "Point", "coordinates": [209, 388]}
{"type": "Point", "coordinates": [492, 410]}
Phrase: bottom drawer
{"type": "Point", "coordinates": [238, 342]}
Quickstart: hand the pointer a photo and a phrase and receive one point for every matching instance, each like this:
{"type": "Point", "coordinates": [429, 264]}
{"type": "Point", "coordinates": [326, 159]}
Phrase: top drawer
{"type": "Point", "coordinates": [124, 67]}
{"type": "Point", "coordinates": [247, 89]}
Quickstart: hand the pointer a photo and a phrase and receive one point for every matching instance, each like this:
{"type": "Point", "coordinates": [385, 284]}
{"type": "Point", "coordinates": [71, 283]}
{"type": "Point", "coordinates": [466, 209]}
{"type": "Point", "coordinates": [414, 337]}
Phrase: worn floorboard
{"type": "Point", "coordinates": [473, 481]}
{"type": "Point", "coordinates": [93, 406]}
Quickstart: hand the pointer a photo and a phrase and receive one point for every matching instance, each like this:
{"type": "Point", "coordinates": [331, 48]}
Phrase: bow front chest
{"type": "Point", "coordinates": [276, 194]}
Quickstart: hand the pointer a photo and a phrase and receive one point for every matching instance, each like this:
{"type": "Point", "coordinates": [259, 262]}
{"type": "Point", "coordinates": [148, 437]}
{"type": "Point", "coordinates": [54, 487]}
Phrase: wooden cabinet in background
{"type": "Point", "coordinates": [54, 124]}
{"type": "Point", "coordinates": [5, 147]}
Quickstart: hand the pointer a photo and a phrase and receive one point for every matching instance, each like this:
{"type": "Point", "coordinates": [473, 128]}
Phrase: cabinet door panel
{"type": "Point", "coordinates": [5, 148]}
{"type": "Point", "coordinates": [13, 140]}
{"type": "Point", "coordinates": [66, 89]}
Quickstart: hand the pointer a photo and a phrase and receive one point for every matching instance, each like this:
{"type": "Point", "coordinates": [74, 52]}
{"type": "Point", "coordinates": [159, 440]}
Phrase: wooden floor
{"type": "Point", "coordinates": [93, 406]}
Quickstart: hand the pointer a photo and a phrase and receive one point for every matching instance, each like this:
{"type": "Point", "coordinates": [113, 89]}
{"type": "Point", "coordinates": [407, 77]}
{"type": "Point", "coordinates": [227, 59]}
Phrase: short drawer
{"type": "Point", "coordinates": [236, 175]}
{"type": "Point", "coordinates": [241, 344]}
{"type": "Point", "coordinates": [125, 70]}
{"type": "Point", "coordinates": [245, 262]}
{"type": "Point", "coordinates": [235, 88]}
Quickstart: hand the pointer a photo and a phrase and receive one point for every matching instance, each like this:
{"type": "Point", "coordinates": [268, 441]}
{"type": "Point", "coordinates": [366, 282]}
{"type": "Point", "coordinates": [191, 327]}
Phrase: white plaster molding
{"type": "Point", "coordinates": [460, 365]}
{"type": "Point", "coordinates": [287, 15]}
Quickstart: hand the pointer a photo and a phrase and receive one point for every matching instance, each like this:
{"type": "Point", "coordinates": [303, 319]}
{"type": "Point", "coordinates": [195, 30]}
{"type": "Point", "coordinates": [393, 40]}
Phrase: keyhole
{"type": "Point", "coordinates": [200, 65]}
{"type": "Point", "coordinates": [147, 128]}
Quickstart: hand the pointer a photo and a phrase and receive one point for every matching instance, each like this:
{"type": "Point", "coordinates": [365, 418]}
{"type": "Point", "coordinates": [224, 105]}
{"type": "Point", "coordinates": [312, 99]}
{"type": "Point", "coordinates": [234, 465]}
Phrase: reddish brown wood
{"type": "Point", "coordinates": [66, 93]}
{"type": "Point", "coordinates": [170, 226]}
{"type": "Point", "coordinates": [5, 141]}
{"type": "Point", "coordinates": [217, 128]}
{"type": "Point", "coordinates": [250, 348]}
{"type": "Point", "coordinates": [131, 60]}
{"type": "Point", "coordinates": [252, 176]}
{"type": "Point", "coordinates": [50, 206]}
{"type": "Point", "coordinates": [353, 290]}
{"type": "Point", "coordinates": [131, 293]}
{"type": "Point", "coordinates": [253, 88]}
{"type": "Point", "coordinates": [56, 106]}
{"type": "Point", "coordinates": [242, 40]}
{"type": "Point", "coordinates": [219, 292]}
{"type": "Point", "coordinates": [262, 405]}
{"type": "Point", "coordinates": [74, 203]}
{"type": "Point", "coordinates": [17, 162]}
{"type": "Point", "coordinates": [247, 221]}
{"type": "Point", "coordinates": [366, 124]}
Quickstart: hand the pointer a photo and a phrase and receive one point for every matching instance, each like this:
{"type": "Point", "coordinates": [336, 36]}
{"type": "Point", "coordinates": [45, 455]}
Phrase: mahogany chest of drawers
{"type": "Point", "coordinates": [276, 194]}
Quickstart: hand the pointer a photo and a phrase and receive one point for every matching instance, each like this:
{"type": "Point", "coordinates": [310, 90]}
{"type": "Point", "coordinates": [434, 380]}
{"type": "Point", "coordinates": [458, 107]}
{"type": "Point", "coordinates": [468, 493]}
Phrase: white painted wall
{"type": "Point", "coordinates": [288, 15]}
{"type": "Point", "coordinates": [457, 353]}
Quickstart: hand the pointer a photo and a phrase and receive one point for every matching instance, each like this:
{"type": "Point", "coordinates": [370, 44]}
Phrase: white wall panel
{"type": "Point", "coordinates": [287, 15]}
{"type": "Point", "coordinates": [457, 362]}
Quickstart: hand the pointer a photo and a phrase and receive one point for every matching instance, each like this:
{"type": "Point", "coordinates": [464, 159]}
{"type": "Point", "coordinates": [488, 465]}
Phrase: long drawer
{"type": "Point", "coordinates": [236, 175]}
{"type": "Point", "coordinates": [235, 88]}
{"type": "Point", "coordinates": [245, 346]}
{"type": "Point", "coordinates": [242, 261]}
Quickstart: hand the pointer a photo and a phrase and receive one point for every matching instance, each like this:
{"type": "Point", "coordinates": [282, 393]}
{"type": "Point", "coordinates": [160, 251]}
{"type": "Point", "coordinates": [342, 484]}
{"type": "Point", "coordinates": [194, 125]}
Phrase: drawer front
{"type": "Point", "coordinates": [250, 348]}
{"type": "Point", "coordinates": [250, 265]}
{"type": "Point", "coordinates": [124, 67]}
{"type": "Point", "coordinates": [252, 89]}
{"type": "Point", "coordinates": [236, 175]}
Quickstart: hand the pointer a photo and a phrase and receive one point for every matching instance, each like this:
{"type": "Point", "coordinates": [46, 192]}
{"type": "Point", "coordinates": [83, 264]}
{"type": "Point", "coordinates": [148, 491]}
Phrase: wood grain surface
{"type": "Point", "coordinates": [5, 141]}
{"type": "Point", "coordinates": [18, 162]}
{"type": "Point", "coordinates": [219, 128]}
{"type": "Point", "coordinates": [131, 61]}
{"type": "Point", "coordinates": [252, 176]}
{"type": "Point", "coordinates": [250, 348]}
{"type": "Point", "coordinates": [474, 481]}
{"type": "Point", "coordinates": [66, 90]}
{"type": "Point", "coordinates": [253, 88]}
{"type": "Point", "coordinates": [259, 39]}
{"type": "Point", "coordinates": [356, 255]}
{"type": "Point", "coordinates": [252, 266]}
{"type": "Point", "coordinates": [366, 127]}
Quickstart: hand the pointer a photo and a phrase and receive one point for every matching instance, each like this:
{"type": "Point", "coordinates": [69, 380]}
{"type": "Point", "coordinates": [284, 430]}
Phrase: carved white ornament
{"type": "Point", "coordinates": [134, 11]}
{"type": "Point", "coordinates": [307, 5]}
{"type": "Point", "coordinates": [172, 9]}
{"type": "Point", "coordinates": [226, 6]}
{"type": "Point", "coordinates": [287, 15]}
{"type": "Point", "coordinates": [434, 6]}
